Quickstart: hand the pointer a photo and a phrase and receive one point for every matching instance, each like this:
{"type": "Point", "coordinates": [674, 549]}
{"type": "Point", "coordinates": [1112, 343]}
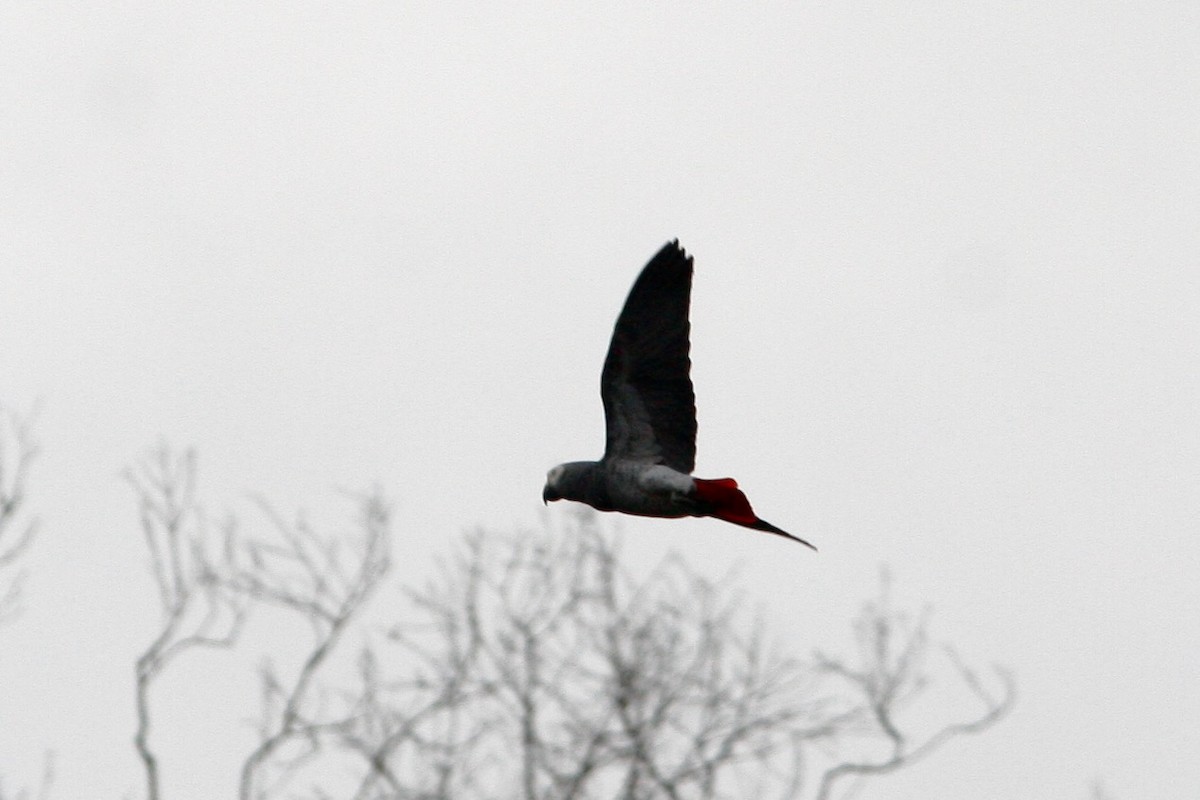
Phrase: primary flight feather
{"type": "Point", "coordinates": [650, 414]}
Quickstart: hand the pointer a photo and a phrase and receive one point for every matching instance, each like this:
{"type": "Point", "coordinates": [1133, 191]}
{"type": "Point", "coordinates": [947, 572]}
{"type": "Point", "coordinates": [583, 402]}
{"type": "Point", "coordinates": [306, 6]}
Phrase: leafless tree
{"type": "Point", "coordinates": [17, 452]}
{"type": "Point", "coordinates": [542, 670]}
{"type": "Point", "coordinates": [889, 675]}
{"type": "Point", "coordinates": [212, 577]}
{"type": "Point", "coordinates": [325, 580]}
{"type": "Point", "coordinates": [534, 666]}
{"type": "Point", "coordinates": [190, 563]}
{"type": "Point", "coordinates": [17, 529]}
{"type": "Point", "coordinates": [539, 668]}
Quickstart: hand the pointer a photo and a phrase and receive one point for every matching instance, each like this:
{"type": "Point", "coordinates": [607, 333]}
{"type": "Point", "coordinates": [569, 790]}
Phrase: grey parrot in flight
{"type": "Point", "coordinates": [650, 414]}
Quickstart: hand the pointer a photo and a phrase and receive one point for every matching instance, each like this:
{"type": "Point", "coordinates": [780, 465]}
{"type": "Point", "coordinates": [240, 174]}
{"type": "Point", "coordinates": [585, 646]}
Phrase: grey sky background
{"type": "Point", "coordinates": [945, 318]}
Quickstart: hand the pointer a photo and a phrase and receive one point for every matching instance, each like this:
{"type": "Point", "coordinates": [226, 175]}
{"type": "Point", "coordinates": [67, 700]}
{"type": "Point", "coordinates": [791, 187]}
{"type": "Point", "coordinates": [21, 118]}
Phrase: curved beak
{"type": "Point", "coordinates": [549, 494]}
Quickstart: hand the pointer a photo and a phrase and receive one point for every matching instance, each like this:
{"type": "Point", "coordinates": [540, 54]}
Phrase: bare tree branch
{"type": "Point", "coordinates": [325, 580]}
{"type": "Point", "coordinates": [17, 453]}
{"type": "Point", "coordinates": [196, 610]}
{"type": "Point", "coordinates": [533, 666]}
{"type": "Point", "coordinates": [18, 450]}
{"type": "Point", "coordinates": [209, 579]}
{"type": "Point", "coordinates": [888, 674]}
{"type": "Point", "coordinates": [540, 669]}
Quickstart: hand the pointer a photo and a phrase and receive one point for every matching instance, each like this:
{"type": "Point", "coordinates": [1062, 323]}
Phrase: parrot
{"type": "Point", "coordinates": [650, 414]}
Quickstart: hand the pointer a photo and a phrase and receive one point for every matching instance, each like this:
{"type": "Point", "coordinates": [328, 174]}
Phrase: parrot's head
{"type": "Point", "coordinates": [553, 490]}
{"type": "Point", "coordinates": [574, 480]}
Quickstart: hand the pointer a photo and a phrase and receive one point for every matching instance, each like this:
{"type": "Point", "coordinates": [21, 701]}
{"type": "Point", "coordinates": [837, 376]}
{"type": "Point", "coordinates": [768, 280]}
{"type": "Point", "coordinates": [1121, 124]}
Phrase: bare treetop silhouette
{"type": "Point", "coordinates": [534, 666]}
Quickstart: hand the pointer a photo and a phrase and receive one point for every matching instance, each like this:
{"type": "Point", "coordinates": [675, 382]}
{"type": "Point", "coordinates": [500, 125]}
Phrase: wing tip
{"type": "Point", "coordinates": [674, 248]}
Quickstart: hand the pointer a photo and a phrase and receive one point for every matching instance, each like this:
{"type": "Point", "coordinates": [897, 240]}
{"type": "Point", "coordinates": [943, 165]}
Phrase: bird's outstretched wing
{"type": "Point", "coordinates": [649, 404]}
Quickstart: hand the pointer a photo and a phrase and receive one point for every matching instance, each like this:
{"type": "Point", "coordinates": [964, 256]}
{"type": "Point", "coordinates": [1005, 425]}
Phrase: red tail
{"type": "Point", "coordinates": [724, 500]}
{"type": "Point", "coordinates": [727, 501]}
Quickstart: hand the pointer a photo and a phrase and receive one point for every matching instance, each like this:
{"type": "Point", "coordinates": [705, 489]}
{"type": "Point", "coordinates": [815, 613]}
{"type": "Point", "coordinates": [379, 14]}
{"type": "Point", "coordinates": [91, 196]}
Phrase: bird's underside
{"type": "Point", "coordinates": [650, 414]}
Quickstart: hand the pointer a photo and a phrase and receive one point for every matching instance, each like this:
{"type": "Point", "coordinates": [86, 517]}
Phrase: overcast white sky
{"type": "Point", "coordinates": [945, 317]}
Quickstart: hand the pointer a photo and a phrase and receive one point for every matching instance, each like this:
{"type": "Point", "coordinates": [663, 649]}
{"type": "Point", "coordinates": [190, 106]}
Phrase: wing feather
{"type": "Point", "coordinates": [649, 403]}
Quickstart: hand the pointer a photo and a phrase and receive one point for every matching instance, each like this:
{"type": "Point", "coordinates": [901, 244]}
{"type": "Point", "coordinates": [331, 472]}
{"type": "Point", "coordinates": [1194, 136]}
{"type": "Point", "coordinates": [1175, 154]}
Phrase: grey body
{"type": "Point", "coordinates": [649, 403]}
{"type": "Point", "coordinates": [650, 413]}
{"type": "Point", "coordinates": [622, 485]}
